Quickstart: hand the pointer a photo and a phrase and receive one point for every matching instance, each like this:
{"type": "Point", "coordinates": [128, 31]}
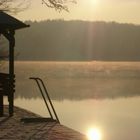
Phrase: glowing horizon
{"type": "Point", "coordinates": [123, 11]}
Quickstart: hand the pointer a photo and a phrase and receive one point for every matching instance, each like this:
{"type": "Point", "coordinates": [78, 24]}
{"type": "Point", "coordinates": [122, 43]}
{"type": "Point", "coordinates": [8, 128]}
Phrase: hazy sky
{"type": "Point", "coordinates": [102, 10]}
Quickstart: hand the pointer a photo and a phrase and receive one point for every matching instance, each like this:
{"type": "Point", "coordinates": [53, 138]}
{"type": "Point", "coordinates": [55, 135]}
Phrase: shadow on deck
{"type": "Point", "coordinates": [13, 128]}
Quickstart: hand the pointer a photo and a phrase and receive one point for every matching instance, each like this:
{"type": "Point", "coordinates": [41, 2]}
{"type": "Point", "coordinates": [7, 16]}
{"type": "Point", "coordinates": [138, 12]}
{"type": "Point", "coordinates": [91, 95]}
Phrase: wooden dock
{"type": "Point", "coordinates": [12, 128]}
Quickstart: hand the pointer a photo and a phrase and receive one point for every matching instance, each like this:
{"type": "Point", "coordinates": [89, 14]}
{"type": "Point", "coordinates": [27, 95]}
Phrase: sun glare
{"type": "Point", "coordinates": [94, 2]}
{"type": "Point", "coordinates": [94, 134]}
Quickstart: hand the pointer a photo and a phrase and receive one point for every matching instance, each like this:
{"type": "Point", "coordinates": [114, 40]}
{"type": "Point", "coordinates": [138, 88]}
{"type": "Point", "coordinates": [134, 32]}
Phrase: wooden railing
{"type": "Point", "coordinates": [7, 88]}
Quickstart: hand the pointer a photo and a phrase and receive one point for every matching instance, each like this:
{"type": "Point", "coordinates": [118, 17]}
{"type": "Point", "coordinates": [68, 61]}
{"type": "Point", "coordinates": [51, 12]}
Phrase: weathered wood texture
{"type": "Point", "coordinates": [11, 128]}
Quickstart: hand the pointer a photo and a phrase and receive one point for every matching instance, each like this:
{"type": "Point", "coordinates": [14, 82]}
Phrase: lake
{"type": "Point", "coordinates": [87, 95]}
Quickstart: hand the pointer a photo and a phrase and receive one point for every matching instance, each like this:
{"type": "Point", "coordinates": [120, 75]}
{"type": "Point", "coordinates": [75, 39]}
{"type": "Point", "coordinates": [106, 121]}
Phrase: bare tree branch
{"type": "Point", "coordinates": [58, 4]}
{"type": "Point", "coordinates": [15, 6]}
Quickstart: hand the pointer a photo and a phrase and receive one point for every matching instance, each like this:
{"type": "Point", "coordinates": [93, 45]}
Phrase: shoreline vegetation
{"type": "Point", "coordinates": [59, 40]}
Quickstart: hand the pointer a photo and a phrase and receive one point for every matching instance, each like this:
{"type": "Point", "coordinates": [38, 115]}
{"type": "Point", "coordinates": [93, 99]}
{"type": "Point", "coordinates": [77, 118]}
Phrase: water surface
{"type": "Point", "coordinates": [104, 95]}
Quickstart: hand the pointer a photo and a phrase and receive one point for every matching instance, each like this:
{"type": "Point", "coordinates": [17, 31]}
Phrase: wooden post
{"type": "Point", "coordinates": [10, 36]}
{"type": "Point", "coordinates": [1, 104]}
{"type": "Point", "coordinates": [1, 99]}
{"type": "Point", "coordinates": [11, 72]}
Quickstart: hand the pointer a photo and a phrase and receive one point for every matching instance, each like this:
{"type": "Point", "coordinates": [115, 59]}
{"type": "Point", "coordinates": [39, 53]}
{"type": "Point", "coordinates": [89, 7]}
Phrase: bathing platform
{"type": "Point", "coordinates": [25, 125]}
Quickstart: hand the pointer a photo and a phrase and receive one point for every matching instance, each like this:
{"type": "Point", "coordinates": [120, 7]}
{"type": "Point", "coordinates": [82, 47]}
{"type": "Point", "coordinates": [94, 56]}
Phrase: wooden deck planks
{"type": "Point", "coordinates": [11, 128]}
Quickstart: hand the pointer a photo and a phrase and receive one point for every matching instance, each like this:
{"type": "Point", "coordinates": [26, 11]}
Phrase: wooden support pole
{"type": "Point", "coordinates": [10, 36]}
{"type": "Point", "coordinates": [11, 72]}
{"type": "Point", "coordinates": [1, 105]}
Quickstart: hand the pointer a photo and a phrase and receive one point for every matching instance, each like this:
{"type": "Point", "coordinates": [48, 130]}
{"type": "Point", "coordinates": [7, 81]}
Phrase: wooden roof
{"type": "Point", "coordinates": [9, 22]}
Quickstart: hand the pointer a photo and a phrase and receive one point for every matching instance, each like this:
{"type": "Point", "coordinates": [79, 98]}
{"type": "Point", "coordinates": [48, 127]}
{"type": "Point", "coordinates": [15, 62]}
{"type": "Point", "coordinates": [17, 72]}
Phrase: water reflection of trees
{"type": "Point", "coordinates": [80, 89]}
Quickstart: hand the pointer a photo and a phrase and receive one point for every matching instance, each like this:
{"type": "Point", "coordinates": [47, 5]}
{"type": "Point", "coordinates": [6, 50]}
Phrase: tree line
{"type": "Point", "coordinates": [16, 6]}
{"type": "Point", "coordinates": [59, 40]}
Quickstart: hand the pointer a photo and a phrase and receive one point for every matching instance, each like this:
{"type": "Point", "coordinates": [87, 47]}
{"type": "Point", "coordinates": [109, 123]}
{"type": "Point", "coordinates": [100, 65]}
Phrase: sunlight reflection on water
{"type": "Point", "coordinates": [117, 118]}
{"type": "Point", "coordinates": [101, 94]}
{"type": "Point", "coordinates": [94, 134]}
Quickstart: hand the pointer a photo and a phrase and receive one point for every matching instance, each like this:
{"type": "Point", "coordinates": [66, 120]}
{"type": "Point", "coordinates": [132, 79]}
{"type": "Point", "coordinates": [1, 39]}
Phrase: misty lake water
{"type": "Point", "coordinates": [103, 95]}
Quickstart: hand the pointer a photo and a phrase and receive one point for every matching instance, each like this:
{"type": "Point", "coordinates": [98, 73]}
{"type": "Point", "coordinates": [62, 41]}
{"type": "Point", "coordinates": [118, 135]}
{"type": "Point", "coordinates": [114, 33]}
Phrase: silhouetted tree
{"type": "Point", "coordinates": [79, 41]}
{"type": "Point", "coordinates": [15, 6]}
{"type": "Point", "coordinates": [58, 4]}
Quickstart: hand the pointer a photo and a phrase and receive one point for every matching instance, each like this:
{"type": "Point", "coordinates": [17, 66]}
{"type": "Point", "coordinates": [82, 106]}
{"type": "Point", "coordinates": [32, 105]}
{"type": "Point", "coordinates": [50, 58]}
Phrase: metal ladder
{"type": "Point", "coordinates": [48, 102]}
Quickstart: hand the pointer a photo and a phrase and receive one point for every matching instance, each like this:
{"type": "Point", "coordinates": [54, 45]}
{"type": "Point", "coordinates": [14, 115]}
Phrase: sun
{"type": "Point", "coordinates": [94, 134]}
{"type": "Point", "coordinates": [94, 2]}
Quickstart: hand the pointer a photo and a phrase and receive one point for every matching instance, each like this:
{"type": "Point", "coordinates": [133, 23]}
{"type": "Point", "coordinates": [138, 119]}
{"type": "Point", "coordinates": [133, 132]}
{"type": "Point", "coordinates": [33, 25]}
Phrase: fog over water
{"type": "Point", "coordinates": [80, 80]}
{"type": "Point", "coordinates": [103, 95]}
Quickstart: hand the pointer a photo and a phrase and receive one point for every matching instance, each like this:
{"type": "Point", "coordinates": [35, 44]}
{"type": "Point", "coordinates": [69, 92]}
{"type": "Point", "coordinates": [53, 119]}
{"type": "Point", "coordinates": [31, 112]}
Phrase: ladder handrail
{"type": "Point", "coordinates": [43, 96]}
{"type": "Point", "coordinates": [47, 94]}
